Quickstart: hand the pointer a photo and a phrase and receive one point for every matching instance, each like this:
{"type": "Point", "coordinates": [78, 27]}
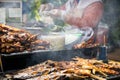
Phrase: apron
{"type": "Point", "coordinates": [74, 35]}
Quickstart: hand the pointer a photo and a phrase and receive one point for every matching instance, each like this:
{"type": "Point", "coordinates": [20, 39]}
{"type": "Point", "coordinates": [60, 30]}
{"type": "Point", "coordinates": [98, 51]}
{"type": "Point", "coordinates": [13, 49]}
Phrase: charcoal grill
{"type": "Point", "coordinates": [22, 60]}
{"type": "Point", "coordinates": [17, 61]}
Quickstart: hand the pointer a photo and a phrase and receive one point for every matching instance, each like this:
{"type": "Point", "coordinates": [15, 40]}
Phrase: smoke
{"type": "Point", "coordinates": [110, 11]}
{"type": "Point", "coordinates": [38, 57]}
{"type": "Point", "coordinates": [112, 18]}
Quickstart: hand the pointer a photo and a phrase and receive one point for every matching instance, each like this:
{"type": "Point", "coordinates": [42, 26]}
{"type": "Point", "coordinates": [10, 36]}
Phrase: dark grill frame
{"type": "Point", "coordinates": [17, 61]}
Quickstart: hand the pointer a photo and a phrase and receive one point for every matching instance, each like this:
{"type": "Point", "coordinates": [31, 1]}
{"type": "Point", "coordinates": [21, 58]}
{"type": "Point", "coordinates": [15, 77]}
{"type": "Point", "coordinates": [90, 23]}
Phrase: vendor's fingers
{"type": "Point", "coordinates": [45, 13]}
{"type": "Point", "coordinates": [42, 8]}
{"type": "Point", "coordinates": [45, 7]}
{"type": "Point", "coordinates": [55, 13]}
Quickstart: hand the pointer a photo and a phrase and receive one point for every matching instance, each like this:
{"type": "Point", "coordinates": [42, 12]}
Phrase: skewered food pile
{"type": "Point", "coordinates": [86, 44]}
{"type": "Point", "coordinates": [17, 40]}
{"type": "Point", "coordinates": [77, 69]}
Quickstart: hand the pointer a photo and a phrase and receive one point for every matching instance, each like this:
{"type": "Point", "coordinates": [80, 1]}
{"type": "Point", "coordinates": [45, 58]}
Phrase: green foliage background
{"type": "Point", "coordinates": [36, 4]}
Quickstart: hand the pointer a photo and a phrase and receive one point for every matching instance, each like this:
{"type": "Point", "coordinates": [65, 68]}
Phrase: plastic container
{"type": "Point", "coordinates": [57, 41]}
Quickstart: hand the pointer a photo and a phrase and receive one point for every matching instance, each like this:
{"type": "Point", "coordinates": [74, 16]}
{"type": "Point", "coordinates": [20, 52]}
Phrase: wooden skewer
{"type": "Point", "coordinates": [97, 77]}
{"type": "Point", "coordinates": [104, 40]}
{"type": "Point", "coordinates": [1, 66]}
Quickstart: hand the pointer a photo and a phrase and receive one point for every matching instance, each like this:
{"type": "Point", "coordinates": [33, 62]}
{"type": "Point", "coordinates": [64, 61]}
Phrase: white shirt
{"type": "Point", "coordinates": [82, 4]}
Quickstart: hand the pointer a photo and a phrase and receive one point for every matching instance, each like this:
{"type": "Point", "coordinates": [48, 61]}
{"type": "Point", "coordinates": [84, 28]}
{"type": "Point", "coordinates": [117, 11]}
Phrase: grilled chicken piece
{"type": "Point", "coordinates": [86, 44]}
{"type": "Point", "coordinates": [5, 28]}
{"type": "Point", "coordinates": [40, 43]}
{"type": "Point", "coordinates": [78, 71]}
{"type": "Point", "coordinates": [18, 40]}
{"type": "Point", "coordinates": [108, 71]}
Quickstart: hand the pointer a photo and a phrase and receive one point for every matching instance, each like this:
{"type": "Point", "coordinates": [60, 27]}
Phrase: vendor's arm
{"type": "Point", "coordinates": [90, 17]}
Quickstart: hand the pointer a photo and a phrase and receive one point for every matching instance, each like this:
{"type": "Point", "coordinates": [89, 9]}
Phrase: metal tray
{"type": "Point", "coordinates": [22, 60]}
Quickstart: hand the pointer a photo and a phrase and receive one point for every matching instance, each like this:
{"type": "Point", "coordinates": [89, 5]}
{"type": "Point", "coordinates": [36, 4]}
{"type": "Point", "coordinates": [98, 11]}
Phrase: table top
{"type": "Point", "coordinates": [114, 55]}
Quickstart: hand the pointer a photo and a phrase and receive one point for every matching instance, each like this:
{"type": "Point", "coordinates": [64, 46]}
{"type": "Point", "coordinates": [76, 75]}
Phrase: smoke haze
{"type": "Point", "coordinates": [112, 18]}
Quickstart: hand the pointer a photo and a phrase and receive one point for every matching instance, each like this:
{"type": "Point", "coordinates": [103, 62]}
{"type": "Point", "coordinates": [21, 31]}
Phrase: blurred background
{"type": "Point", "coordinates": [112, 18]}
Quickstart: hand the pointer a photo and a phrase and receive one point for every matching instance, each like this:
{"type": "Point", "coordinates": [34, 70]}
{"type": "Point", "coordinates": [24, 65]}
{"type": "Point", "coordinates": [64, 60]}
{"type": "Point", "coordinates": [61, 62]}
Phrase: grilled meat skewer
{"type": "Point", "coordinates": [18, 40]}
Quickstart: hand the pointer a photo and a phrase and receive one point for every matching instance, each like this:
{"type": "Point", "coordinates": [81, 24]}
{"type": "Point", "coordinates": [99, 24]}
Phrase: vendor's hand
{"type": "Point", "coordinates": [46, 7]}
{"type": "Point", "coordinates": [56, 13]}
{"type": "Point", "coordinates": [45, 13]}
